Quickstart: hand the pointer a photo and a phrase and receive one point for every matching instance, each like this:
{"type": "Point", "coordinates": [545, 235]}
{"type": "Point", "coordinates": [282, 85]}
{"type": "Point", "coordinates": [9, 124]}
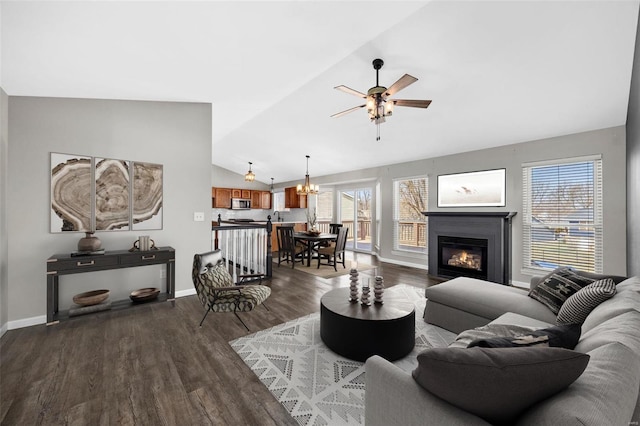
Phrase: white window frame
{"type": "Point", "coordinates": [528, 220]}
{"type": "Point", "coordinates": [396, 215]}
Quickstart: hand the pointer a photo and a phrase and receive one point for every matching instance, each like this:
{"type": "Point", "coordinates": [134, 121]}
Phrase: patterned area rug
{"type": "Point", "coordinates": [317, 386]}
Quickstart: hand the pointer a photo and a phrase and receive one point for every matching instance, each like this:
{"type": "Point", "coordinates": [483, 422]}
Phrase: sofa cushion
{"type": "Point", "coordinates": [497, 384]}
{"type": "Point", "coordinates": [624, 329]}
{"type": "Point", "coordinates": [578, 306]}
{"type": "Point", "coordinates": [558, 286]}
{"type": "Point", "coordinates": [486, 299]}
{"type": "Point", "coordinates": [605, 394]}
{"type": "Point", "coordinates": [560, 336]}
{"type": "Point", "coordinates": [626, 299]}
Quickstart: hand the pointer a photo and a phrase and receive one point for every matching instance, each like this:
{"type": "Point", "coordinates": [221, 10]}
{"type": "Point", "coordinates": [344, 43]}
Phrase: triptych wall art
{"type": "Point", "coordinates": [103, 194]}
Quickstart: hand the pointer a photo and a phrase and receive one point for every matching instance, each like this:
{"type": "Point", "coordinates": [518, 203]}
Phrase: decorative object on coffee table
{"type": "Point", "coordinates": [353, 287]}
{"type": "Point", "coordinates": [378, 289]}
{"type": "Point", "coordinates": [89, 243]}
{"type": "Point", "coordinates": [144, 294]}
{"type": "Point", "coordinates": [364, 300]}
{"type": "Point", "coordinates": [91, 297]}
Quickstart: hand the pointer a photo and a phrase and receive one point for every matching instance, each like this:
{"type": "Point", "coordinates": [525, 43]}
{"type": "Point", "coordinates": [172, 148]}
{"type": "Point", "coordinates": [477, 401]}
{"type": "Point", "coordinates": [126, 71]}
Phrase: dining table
{"type": "Point", "coordinates": [311, 240]}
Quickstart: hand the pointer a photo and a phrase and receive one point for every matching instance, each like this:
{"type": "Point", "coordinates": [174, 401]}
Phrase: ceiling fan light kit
{"type": "Point", "coordinates": [307, 188]}
{"type": "Point", "coordinates": [378, 103]}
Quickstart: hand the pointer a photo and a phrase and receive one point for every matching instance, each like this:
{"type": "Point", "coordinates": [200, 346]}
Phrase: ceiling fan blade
{"type": "Point", "coordinates": [350, 91]}
{"type": "Point", "coordinates": [411, 103]}
{"type": "Point", "coordinates": [347, 111]}
{"type": "Point", "coordinates": [403, 82]}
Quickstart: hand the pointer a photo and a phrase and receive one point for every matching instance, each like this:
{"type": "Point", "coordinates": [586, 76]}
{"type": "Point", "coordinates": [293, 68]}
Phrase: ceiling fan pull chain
{"type": "Point", "coordinates": [378, 132]}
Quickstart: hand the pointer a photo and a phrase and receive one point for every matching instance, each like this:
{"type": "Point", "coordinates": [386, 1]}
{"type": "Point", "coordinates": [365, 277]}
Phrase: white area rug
{"type": "Point", "coordinates": [317, 386]}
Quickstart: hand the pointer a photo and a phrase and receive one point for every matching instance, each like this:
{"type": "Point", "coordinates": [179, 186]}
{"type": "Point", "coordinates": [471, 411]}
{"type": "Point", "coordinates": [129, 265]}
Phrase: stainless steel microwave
{"type": "Point", "coordinates": [240, 204]}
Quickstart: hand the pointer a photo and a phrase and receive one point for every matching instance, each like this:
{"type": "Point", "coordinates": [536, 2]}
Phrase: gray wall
{"type": "Point", "coordinates": [4, 252]}
{"type": "Point", "coordinates": [608, 142]}
{"type": "Point", "coordinates": [177, 135]}
{"type": "Point", "coordinates": [633, 166]}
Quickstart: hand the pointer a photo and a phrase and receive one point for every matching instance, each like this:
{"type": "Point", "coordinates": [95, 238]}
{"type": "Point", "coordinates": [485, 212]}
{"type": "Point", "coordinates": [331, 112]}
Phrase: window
{"type": "Point", "coordinates": [410, 226]}
{"type": "Point", "coordinates": [562, 207]}
{"type": "Point", "coordinates": [278, 202]}
{"type": "Point", "coordinates": [325, 206]}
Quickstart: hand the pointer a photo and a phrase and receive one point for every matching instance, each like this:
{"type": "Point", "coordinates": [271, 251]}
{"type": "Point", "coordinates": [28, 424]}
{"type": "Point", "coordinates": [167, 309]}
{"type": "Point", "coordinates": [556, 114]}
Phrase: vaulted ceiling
{"type": "Point", "coordinates": [497, 72]}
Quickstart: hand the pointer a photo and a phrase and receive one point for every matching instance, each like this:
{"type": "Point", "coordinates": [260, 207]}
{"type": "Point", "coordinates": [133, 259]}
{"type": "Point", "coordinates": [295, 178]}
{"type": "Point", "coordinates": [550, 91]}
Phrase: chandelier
{"type": "Point", "coordinates": [307, 188]}
{"type": "Point", "coordinates": [250, 176]}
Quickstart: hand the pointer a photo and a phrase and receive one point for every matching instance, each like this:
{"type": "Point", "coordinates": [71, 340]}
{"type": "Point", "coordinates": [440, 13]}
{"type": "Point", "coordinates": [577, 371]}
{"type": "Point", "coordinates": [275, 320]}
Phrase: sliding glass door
{"type": "Point", "coordinates": [355, 213]}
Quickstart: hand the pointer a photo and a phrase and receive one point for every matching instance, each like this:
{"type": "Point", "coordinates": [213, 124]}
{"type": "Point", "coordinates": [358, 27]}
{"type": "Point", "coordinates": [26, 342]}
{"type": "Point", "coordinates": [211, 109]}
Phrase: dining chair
{"type": "Point", "coordinates": [334, 254]}
{"type": "Point", "coordinates": [217, 291]}
{"type": "Point", "coordinates": [288, 248]}
{"type": "Point", "coordinates": [333, 229]}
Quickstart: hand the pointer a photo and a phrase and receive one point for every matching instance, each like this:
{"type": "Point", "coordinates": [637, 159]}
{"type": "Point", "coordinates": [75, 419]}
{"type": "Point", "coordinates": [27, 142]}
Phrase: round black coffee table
{"type": "Point", "coordinates": [358, 332]}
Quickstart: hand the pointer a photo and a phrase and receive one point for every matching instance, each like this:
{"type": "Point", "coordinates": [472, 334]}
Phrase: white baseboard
{"type": "Point", "coordinates": [27, 322]}
{"type": "Point", "coordinates": [183, 293]}
{"type": "Point", "coordinates": [402, 263]}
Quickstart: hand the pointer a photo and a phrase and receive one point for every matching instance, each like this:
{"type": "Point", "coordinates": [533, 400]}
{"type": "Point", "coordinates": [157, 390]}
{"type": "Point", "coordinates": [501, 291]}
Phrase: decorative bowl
{"type": "Point", "coordinates": [144, 294]}
{"type": "Point", "coordinates": [313, 233]}
{"type": "Point", "coordinates": [91, 297]}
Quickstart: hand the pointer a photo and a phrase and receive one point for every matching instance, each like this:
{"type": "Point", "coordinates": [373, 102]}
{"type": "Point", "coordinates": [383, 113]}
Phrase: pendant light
{"type": "Point", "coordinates": [250, 176]}
{"type": "Point", "coordinates": [307, 188]}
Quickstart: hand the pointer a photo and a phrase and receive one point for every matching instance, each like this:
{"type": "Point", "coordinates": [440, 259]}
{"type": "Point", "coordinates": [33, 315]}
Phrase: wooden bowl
{"type": "Point", "coordinates": [91, 297]}
{"type": "Point", "coordinates": [144, 294]}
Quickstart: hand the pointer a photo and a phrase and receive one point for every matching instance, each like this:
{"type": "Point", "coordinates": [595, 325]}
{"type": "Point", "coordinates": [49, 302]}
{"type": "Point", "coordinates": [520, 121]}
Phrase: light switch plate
{"type": "Point", "coordinates": [198, 216]}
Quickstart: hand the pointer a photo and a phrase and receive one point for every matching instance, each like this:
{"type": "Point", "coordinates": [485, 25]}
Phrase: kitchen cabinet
{"type": "Point", "coordinates": [260, 200]}
{"type": "Point", "coordinates": [245, 194]}
{"type": "Point", "coordinates": [266, 199]}
{"type": "Point", "coordinates": [221, 197]}
{"type": "Point", "coordinates": [294, 201]}
{"type": "Point", "coordinates": [236, 193]}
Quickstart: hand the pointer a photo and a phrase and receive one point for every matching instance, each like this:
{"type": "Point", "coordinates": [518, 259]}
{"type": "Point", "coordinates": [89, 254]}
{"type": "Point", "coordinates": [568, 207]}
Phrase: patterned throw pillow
{"type": "Point", "coordinates": [577, 307]}
{"type": "Point", "coordinates": [558, 286]}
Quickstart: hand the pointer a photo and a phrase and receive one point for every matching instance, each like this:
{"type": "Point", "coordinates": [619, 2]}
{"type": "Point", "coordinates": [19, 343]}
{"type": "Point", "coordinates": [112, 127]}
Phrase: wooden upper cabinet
{"type": "Point", "coordinates": [260, 199]}
{"type": "Point", "coordinates": [221, 197]}
{"type": "Point", "coordinates": [256, 200]}
{"type": "Point", "coordinates": [294, 201]}
{"type": "Point", "coordinates": [236, 193]}
{"type": "Point", "coordinates": [246, 194]}
{"type": "Point", "coordinates": [266, 199]}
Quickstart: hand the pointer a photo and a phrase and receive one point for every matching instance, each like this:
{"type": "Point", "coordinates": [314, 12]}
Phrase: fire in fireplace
{"type": "Point", "coordinates": [462, 257]}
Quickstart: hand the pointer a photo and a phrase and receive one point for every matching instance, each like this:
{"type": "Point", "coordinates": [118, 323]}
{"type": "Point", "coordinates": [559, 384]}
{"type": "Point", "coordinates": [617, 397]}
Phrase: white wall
{"type": "Point", "coordinates": [608, 142]}
{"type": "Point", "coordinates": [4, 256]}
{"type": "Point", "coordinates": [177, 135]}
{"type": "Point", "coordinates": [633, 165]}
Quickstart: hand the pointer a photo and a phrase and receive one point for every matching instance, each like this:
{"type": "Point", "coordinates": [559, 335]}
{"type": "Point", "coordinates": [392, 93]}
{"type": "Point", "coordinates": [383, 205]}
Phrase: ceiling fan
{"type": "Point", "coordinates": [378, 103]}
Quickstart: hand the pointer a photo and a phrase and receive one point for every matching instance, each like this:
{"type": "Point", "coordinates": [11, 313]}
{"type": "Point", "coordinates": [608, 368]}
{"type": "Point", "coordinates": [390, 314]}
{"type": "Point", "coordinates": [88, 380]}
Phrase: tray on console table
{"type": "Point", "coordinates": [65, 264]}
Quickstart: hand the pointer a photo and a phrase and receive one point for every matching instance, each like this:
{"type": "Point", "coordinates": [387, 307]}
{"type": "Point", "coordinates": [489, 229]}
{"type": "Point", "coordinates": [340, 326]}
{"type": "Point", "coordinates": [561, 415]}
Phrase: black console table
{"type": "Point", "coordinates": [65, 264]}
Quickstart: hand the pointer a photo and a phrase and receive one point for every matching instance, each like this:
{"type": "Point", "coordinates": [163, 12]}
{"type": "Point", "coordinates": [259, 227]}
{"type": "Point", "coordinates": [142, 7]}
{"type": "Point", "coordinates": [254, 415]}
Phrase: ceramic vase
{"type": "Point", "coordinates": [89, 242]}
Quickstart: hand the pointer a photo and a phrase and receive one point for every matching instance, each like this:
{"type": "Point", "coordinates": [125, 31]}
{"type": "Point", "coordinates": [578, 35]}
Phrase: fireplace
{"type": "Point", "coordinates": [462, 257]}
{"type": "Point", "coordinates": [470, 244]}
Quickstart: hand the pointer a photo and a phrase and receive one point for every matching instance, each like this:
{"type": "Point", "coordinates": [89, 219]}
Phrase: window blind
{"type": "Point", "coordinates": [562, 214]}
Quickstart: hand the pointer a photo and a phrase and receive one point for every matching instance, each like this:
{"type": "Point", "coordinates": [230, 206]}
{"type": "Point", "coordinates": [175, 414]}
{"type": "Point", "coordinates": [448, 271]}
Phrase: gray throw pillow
{"type": "Point", "coordinates": [559, 336]}
{"type": "Point", "coordinates": [577, 307]}
{"type": "Point", "coordinates": [497, 384]}
{"type": "Point", "coordinates": [558, 286]}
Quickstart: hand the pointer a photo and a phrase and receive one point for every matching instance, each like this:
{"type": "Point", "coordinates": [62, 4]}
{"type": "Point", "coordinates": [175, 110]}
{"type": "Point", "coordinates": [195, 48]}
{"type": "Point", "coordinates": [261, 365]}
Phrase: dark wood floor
{"type": "Point", "coordinates": [153, 365]}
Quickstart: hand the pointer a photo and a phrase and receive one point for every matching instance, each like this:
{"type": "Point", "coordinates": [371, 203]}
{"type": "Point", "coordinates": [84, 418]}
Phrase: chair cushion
{"type": "Point", "coordinates": [243, 300]}
{"type": "Point", "coordinates": [497, 384]}
{"type": "Point", "coordinates": [578, 306]}
{"type": "Point", "coordinates": [558, 286]}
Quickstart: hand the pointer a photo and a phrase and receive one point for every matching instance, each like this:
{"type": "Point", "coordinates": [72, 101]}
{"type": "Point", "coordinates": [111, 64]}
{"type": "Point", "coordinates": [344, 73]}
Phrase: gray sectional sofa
{"type": "Point", "coordinates": [607, 392]}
